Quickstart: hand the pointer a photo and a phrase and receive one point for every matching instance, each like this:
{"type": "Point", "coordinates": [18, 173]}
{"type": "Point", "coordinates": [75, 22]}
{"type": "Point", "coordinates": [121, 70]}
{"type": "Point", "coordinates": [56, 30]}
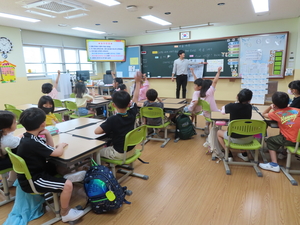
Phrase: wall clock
{"type": "Point", "coordinates": [5, 46]}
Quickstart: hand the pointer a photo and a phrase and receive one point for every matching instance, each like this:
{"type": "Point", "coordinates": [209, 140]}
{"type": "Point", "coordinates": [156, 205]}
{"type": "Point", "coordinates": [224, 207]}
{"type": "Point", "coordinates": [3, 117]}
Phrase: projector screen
{"type": "Point", "coordinates": [105, 50]}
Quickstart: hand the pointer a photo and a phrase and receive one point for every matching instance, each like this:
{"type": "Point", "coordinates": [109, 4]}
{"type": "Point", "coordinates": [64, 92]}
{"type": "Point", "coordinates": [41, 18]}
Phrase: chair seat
{"type": "Point", "coordinates": [6, 170]}
{"type": "Point", "coordinates": [292, 150]}
{"type": "Point", "coordinates": [128, 161]}
{"type": "Point", "coordinates": [160, 126]}
{"type": "Point", "coordinates": [75, 116]}
{"type": "Point", "coordinates": [254, 145]}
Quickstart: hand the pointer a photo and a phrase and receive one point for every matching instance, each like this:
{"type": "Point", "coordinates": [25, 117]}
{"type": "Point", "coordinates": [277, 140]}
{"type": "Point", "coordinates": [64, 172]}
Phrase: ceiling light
{"type": "Point", "coordinates": [88, 30]}
{"type": "Point", "coordinates": [195, 26]}
{"type": "Point", "coordinates": [38, 13]}
{"type": "Point", "coordinates": [260, 5]}
{"type": "Point", "coordinates": [156, 20]}
{"type": "Point", "coordinates": [19, 18]}
{"type": "Point", "coordinates": [154, 31]}
{"type": "Point", "coordinates": [76, 16]}
{"type": "Point", "coordinates": [108, 2]}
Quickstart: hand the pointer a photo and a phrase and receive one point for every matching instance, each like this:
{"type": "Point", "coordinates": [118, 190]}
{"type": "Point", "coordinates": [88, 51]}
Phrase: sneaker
{"type": "Point", "coordinates": [268, 166]}
{"type": "Point", "coordinates": [245, 158]}
{"type": "Point", "coordinates": [75, 177]}
{"type": "Point", "coordinates": [73, 214]}
{"type": "Point", "coordinates": [281, 156]}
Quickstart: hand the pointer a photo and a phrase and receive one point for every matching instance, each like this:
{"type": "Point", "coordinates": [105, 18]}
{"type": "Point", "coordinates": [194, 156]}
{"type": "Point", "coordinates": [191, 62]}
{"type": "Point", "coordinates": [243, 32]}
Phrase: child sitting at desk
{"type": "Point", "coordinates": [288, 120]}
{"type": "Point", "coordinates": [117, 126]}
{"type": "Point", "coordinates": [117, 81]}
{"type": "Point", "coordinates": [36, 153]}
{"type": "Point", "coordinates": [50, 89]}
{"type": "Point", "coordinates": [239, 110]}
{"type": "Point", "coordinates": [47, 105]}
{"type": "Point", "coordinates": [151, 95]}
{"type": "Point", "coordinates": [81, 99]}
{"type": "Point", "coordinates": [144, 88]}
{"type": "Point", "coordinates": [294, 89]}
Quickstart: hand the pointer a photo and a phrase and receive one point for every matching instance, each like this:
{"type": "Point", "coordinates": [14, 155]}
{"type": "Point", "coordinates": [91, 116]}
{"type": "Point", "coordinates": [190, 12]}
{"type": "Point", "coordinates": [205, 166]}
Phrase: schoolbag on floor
{"type": "Point", "coordinates": [103, 190]}
{"type": "Point", "coordinates": [184, 127]}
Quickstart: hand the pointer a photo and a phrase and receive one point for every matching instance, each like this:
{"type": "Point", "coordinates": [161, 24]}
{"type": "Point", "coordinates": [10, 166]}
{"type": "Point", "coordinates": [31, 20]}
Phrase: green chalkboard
{"type": "Point", "coordinates": [157, 60]}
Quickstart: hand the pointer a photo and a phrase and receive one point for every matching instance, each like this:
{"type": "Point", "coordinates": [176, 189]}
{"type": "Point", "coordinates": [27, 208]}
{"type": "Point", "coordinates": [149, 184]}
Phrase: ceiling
{"type": "Point", "coordinates": [183, 13]}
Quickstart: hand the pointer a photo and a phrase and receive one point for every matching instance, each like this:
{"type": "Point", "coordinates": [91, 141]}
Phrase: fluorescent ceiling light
{"type": "Point", "coordinates": [88, 30]}
{"type": "Point", "coordinates": [154, 31]}
{"type": "Point", "coordinates": [195, 26]}
{"type": "Point", "coordinates": [108, 2]}
{"type": "Point", "coordinates": [76, 16]}
{"type": "Point", "coordinates": [19, 18]}
{"type": "Point", "coordinates": [260, 5]}
{"type": "Point", "coordinates": [156, 20]}
{"type": "Point", "coordinates": [38, 13]}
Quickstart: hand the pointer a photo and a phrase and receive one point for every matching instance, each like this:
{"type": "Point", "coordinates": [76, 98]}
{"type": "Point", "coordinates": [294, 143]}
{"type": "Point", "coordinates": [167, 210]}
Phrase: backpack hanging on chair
{"type": "Point", "coordinates": [103, 190]}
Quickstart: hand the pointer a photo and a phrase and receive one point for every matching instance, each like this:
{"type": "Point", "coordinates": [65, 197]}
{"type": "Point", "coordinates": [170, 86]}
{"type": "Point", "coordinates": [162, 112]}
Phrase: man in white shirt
{"type": "Point", "coordinates": [180, 69]}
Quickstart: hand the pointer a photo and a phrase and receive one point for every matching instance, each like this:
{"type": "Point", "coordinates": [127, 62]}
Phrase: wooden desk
{"type": "Point", "coordinates": [173, 108]}
{"type": "Point", "coordinates": [261, 108]}
{"type": "Point", "coordinates": [87, 132]}
{"type": "Point", "coordinates": [27, 106]}
{"type": "Point", "coordinates": [97, 102]}
{"type": "Point", "coordinates": [219, 116]}
{"type": "Point", "coordinates": [174, 100]}
{"type": "Point", "coordinates": [75, 123]}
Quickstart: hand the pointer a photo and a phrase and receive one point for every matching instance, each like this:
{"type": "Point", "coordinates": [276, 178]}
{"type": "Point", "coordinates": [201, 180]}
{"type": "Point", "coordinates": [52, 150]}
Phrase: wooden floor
{"type": "Point", "coordinates": [186, 187]}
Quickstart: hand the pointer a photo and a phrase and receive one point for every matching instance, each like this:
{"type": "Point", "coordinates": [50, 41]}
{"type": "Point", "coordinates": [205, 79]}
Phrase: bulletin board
{"type": "Point", "coordinates": [132, 63]}
{"type": "Point", "coordinates": [263, 54]}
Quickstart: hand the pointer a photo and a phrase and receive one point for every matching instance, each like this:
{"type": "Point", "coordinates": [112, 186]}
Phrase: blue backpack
{"type": "Point", "coordinates": [103, 190]}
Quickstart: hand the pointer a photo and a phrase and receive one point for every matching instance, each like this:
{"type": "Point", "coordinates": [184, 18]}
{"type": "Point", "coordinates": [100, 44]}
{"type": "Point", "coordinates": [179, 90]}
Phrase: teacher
{"type": "Point", "coordinates": [180, 69]}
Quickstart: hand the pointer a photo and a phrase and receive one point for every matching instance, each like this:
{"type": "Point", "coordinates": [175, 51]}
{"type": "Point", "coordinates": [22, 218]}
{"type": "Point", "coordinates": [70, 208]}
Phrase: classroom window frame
{"type": "Point", "coordinates": [45, 73]}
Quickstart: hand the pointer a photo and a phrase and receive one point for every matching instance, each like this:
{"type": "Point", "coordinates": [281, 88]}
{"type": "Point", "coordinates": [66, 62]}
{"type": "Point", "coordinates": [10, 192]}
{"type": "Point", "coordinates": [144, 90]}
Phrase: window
{"type": "Point", "coordinates": [43, 61]}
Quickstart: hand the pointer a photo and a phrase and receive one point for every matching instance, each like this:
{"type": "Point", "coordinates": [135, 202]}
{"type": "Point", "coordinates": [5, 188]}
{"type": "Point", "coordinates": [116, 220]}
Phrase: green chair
{"type": "Point", "coordinates": [156, 112]}
{"type": "Point", "coordinates": [287, 171]}
{"type": "Point", "coordinates": [204, 107]}
{"type": "Point", "coordinates": [5, 192]}
{"type": "Point", "coordinates": [58, 103]}
{"type": "Point", "coordinates": [71, 106]}
{"type": "Point", "coordinates": [245, 127]}
{"type": "Point", "coordinates": [17, 112]}
{"type": "Point", "coordinates": [20, 167]}
{"type": "Point", "coordinates": [58, 117]}
{"type": "Point", "coordinates": [111, 109]}
{"type": "Point", "coordinates": [8, 106]}
{"type": "Point", "coordinates": [132, 138]}
{"type": "Point", "coordinates": [72, 95]}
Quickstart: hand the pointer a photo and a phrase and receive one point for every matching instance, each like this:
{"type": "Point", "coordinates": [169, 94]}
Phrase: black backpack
{"type": "Point", "coordinates": [184, 127]}
{"type": "Point", "coordinates": [103, 190]}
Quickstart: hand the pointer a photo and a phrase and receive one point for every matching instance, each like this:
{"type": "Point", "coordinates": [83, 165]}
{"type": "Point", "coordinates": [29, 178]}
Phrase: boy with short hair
{"type": "Point", "coordinates": [288, 120]}
{"type": "Point", "coordinates": [239, 110]}
{"type": "Point", "coordinates": [151, 95]}
{"type": "Point", "coordinates": [50, 89]}
{"type": "Point", "coordinates": [36, 152]}
{"type": "Point", "coordinates": [117, 126]}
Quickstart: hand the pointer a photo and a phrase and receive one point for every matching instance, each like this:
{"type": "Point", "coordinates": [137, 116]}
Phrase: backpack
{"type": "Point", "coordinates": [184, 127]}
{"type": "Point", "coordinates": [103, 190]}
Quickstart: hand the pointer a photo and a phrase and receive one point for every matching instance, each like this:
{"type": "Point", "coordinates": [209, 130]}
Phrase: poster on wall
{"type": "Point", "coordinates": [7, 71]}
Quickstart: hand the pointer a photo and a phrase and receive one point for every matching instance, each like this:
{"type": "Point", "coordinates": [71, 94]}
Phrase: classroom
{"type": "Point", "coordinates": [185, 185]}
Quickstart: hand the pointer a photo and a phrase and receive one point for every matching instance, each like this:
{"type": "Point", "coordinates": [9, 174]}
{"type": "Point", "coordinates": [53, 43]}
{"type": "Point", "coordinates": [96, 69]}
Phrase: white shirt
{"type": "Point", "coordinates": [10, 141]}
{"type": "Point", "coordinates": [180, 66]}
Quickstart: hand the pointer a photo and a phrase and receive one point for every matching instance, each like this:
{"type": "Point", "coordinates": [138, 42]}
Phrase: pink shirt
{"type": "Point", "coordinates": [193, 107]}
{"type": "Point", "coordinates": [143, 90]}
{"type": "Point", "coordinates": [53, 93]}
{"type": "Point", "coordinates": [210, 98]}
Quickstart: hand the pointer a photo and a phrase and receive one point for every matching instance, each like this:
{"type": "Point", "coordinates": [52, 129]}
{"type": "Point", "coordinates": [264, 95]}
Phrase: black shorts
{"type": "Point", "coordinates": [275, 142]}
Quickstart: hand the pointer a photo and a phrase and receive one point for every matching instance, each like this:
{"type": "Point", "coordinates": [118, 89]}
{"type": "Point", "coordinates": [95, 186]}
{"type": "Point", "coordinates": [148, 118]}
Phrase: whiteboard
{"type": "Point", "coordinates": [263, 54]}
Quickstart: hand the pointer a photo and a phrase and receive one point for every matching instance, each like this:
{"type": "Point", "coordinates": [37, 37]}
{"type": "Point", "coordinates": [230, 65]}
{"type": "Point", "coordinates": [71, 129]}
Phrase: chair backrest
{"type": "Point", "coordinates": [20, 167]}
{"type": "Point", "coordinates": [204, 105]}
{"type": "Point", "coordinates": [72, 95]}
{"type": "Point", "coordinates": [152, 112]}
{"type": "Point", "coordinates": [58, 103]}
{"type": "Point", "coordinates": [8, 106]}
{"type": "Point", "coordinates": [247, 127]}
{"type": "Point", "coordinates": [17, 112]}
{"type": "Point", "coordinates": [135, 136]}
{"type": "Point", "coordinates": [71, 105]}
{"type": "Point", "coordinates": [58, 117]}
{"type": "Point", "coordinates": [107, 79]}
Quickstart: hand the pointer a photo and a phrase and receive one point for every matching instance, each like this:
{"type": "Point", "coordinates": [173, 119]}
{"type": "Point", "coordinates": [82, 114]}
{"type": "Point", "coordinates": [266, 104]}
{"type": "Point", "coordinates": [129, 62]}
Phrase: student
{"type": "Point", "coordinates": [8, 124]}
{"type": "Point", "coordinates": [151, 95]}
{"type": "Point", "coordinates": [50, 89]}
{"type": "Point", "coordinates": [122, 87]}
{"type": "Point", "coordinates": [120, 124]}
{"type": "Point", "coordinates": [35, 153]}
{"type": "Point", "coordinates": [239, 110]}
{"type": "Point", "coordinates": [47, 105]}
{"type": "Point", "coordinates": [193, 108]}
{"type": "Point", "coordinates": [288, 120]}
{"type": "Point", "coordinates": [81, 99]}
{"type": "Point", "coordinates": [116, 82]}
{"type": "Point", "coordinates": [294, 89]}
{"type": "Point", "coordinates": [144, 88]}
